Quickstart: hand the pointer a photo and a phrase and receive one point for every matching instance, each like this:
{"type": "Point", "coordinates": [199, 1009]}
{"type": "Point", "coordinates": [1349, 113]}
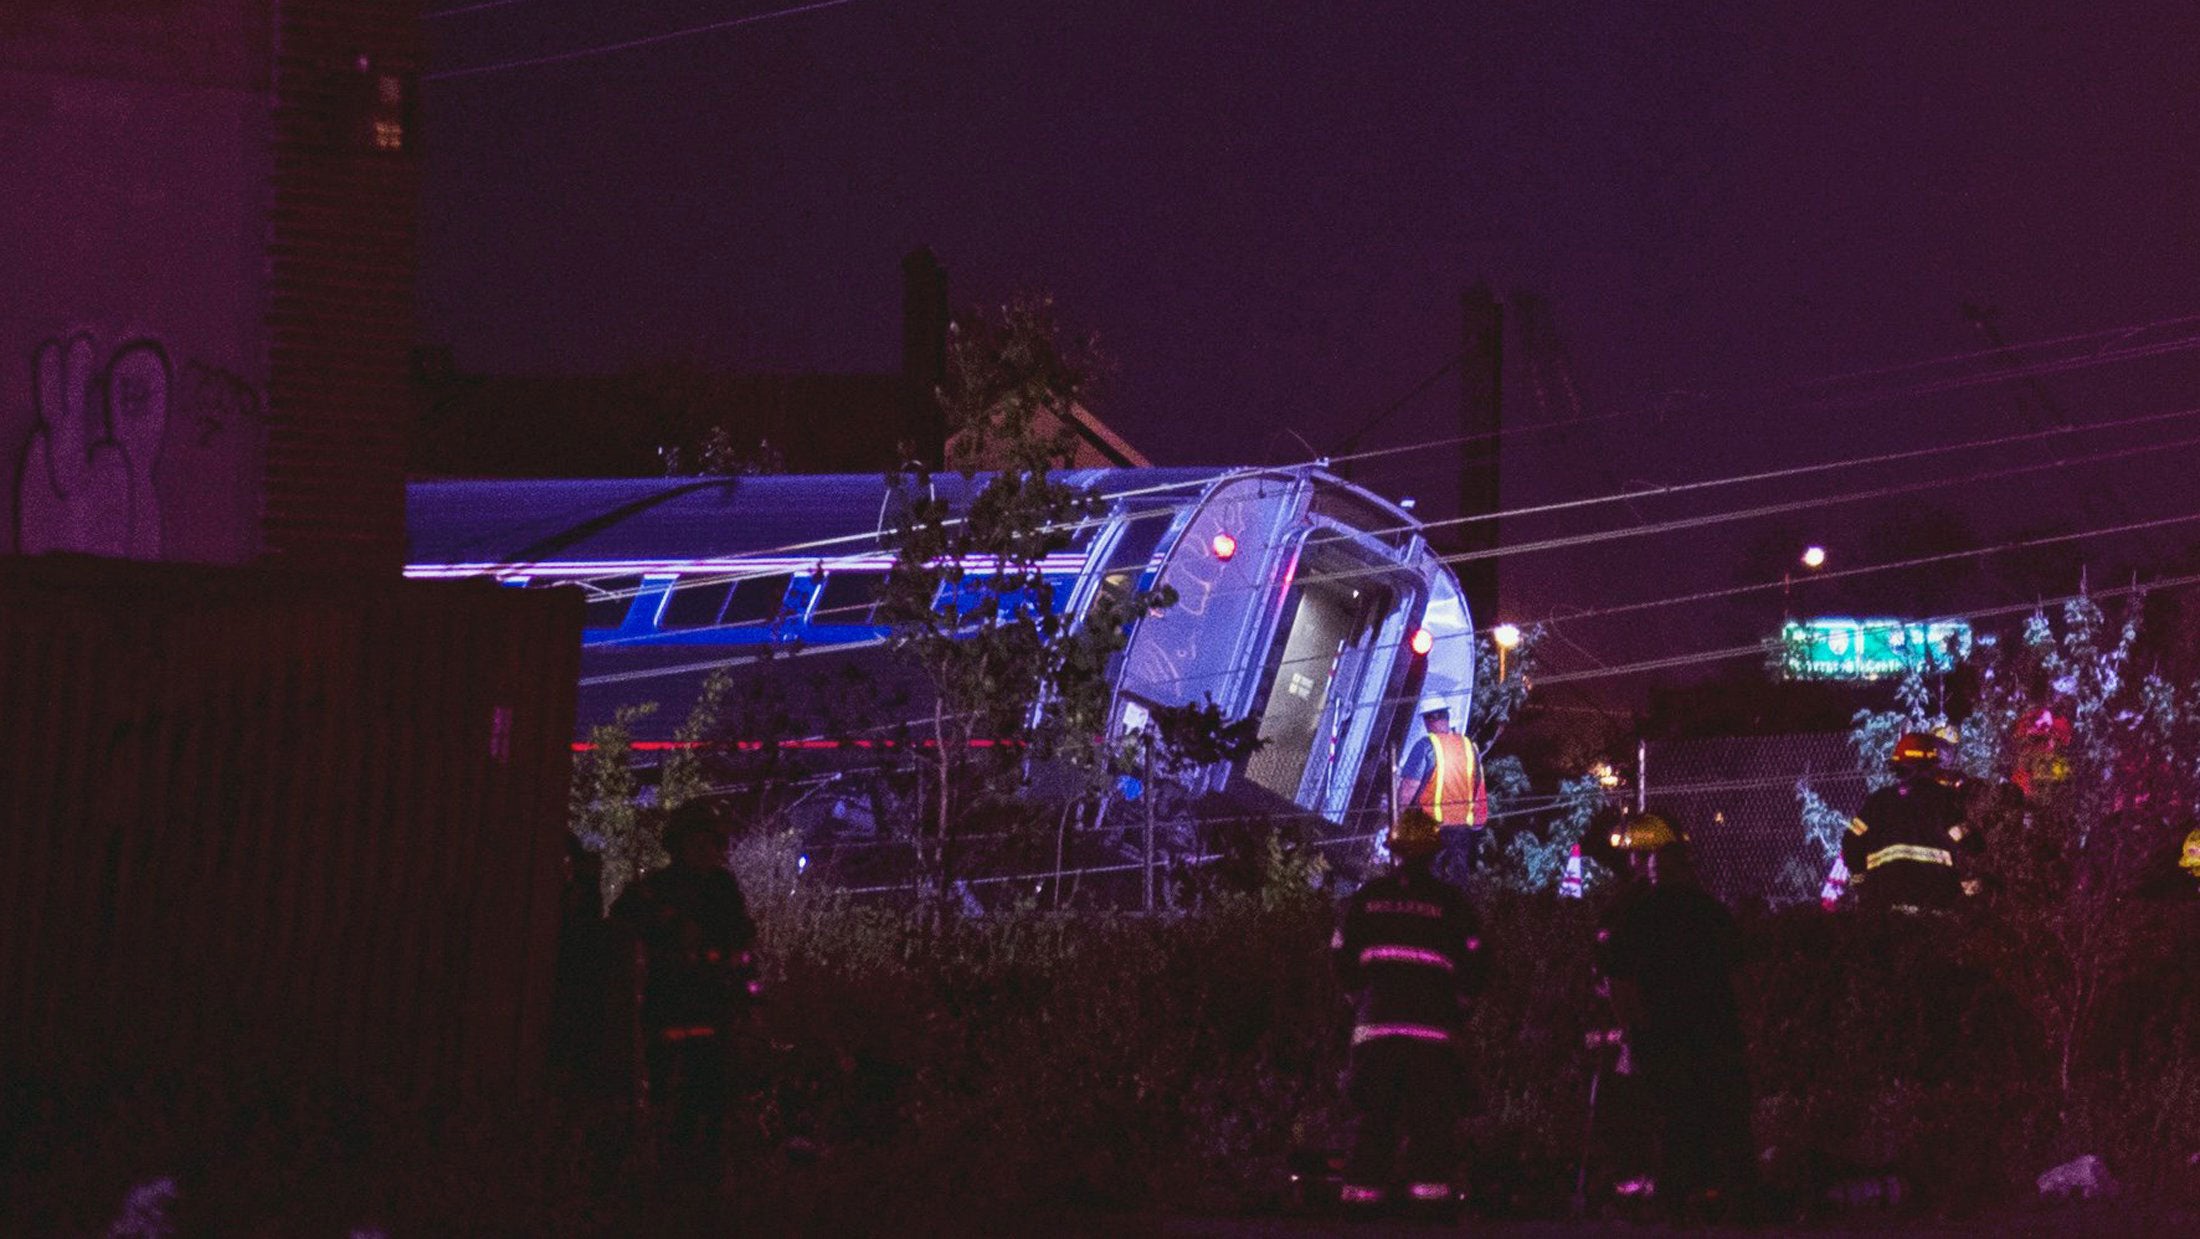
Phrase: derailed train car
{"type": "Point", "coordinates": [1303, 600]}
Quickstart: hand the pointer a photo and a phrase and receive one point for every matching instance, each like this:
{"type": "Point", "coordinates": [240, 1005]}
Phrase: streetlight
{"type": "Point", "coordinates": [1507, 638]}
{"type": "Point", "coordinates": [1813, 558]}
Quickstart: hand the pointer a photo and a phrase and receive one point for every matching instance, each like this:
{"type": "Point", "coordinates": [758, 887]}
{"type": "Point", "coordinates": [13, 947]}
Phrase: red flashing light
{"type": "Point", "coordinates": [1223, 545]}
{"type": "Point", "coordinates": [1423, 641]}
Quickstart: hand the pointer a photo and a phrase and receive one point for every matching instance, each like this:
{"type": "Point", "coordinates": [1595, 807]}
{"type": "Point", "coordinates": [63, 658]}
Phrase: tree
{"type": "Point", "coordinates": [604, 806]}
{"type": "Point", "coordinates": [1014, 679]}
{"type": "Point", "coordinates": [2108, 757]}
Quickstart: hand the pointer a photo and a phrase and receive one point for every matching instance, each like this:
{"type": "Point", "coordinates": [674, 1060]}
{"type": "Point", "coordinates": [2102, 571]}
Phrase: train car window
{"type": "Point", "coordinates": [609, 600]}
{"type": "Point", "coordinates": [697, 605]}
{"type": "Point", "coordinates": [849, 598]}
{"type": "Point", "coordinates": [1127, 559]}
{"type": "Point", "coordinates": [757, 600]}
{"type": "Point", "coordinates": [1355, 512]}
{"type": "Point", "coordinates": [965, 601]}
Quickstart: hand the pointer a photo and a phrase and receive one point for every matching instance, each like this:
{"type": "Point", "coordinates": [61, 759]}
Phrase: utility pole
{"type": "Point", "coordinates": [1481, 421]}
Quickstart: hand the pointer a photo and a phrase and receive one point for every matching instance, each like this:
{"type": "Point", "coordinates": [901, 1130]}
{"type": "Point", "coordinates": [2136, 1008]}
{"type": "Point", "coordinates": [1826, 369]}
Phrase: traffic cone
{"type": "Point", "coordinates": [1837, 880]}
{"type": "Point", "coordinates": [1569, 886]}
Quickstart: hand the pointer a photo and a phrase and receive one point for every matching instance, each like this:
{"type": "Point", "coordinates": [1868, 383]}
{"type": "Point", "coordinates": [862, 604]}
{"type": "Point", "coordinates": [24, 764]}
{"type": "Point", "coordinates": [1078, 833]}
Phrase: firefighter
{"type": "Point", "coordinates": [2176, 877]}
{"type": "Point", "coordinates": [1408, 952]}
{"type": "Point", "coordinates": [586, 1021]}
{"type": "Point", "coordinates": [1668, 950]}
{"type": "Point", "coordinates": [694, 935]}
{"type": "Point", "coordinates": [1902, 845]}
{"type": "Point", "coordinates": [1442, 777]}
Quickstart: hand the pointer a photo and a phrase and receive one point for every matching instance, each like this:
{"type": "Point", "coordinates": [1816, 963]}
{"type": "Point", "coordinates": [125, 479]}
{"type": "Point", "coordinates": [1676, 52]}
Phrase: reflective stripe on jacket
{"type": "Point", "coordinates": [1453, 793]}
{"type": "Point", "coordinates": [1903, 841]}
{"type": "Point", "coordinates": [1408, 948]}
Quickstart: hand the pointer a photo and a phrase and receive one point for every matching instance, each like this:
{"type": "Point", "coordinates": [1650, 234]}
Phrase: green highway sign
{"type": "Point", "coordinates": [1835, 648]}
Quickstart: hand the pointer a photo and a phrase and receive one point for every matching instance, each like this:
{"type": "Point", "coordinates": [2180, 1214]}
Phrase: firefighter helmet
{"type": "Point", "coordinates": [1412, 835]}
{"type": "Point", "coordinates": [1917, 749]}
{"type": "Point", "coordinates": [2189, 861]}
{"type": "Point", "coordinates": [1644, 832]}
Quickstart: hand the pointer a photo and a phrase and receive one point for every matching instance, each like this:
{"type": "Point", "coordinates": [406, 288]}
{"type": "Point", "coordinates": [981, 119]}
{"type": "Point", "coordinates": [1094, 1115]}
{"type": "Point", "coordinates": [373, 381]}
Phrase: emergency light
{"type": "Point", "coordinates": [1223, 545]}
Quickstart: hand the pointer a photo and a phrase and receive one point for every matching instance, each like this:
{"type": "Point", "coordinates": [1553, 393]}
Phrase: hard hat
{"type": "Point", "coordinates": [1412, 835]}
{"type": "Point", "coordinates": [1644, 832]}
{"type": "Point", "coordinates": [2190, 861]}
{"type": "Point", "coordinates": [1917, 748]}
{"type": "Point", "coordinates": [1433, 704]}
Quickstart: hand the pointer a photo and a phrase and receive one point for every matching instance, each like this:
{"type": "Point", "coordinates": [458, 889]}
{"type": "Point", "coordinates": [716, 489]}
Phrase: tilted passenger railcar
{"type": "Point", "coordinates": [1303, 599]}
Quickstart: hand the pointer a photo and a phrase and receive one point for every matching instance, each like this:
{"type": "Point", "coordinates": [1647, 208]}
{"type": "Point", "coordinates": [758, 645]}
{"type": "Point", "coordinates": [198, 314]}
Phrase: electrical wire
{"type": "Point", "coordinates": [1673, 661]}
{"type": "Point", "coordinates": [735, 576]}
{"type": "Point", "coordinates": [463, 9]}
{"type": "Point", "coordinates": [1422, 445]}
{"type": "Point", "coordinates": [1556, 678]}
{"type": "Point", "coordinates": [630, 44]}
{"type": "Point", "coordinates": [1729, 653]}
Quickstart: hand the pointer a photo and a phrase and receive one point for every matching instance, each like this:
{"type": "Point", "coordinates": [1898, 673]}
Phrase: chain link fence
{"type": "Point", "coordinates": [1739, 799]}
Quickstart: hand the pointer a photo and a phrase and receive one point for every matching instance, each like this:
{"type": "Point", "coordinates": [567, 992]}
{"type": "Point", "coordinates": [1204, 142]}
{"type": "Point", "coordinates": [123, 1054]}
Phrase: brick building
{"type": "Point", "coordinates": [209, 247]}
{"type": "Point", "coordinates": [272, 802]}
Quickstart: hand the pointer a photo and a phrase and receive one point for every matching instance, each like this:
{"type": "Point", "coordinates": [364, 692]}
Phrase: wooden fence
{"type": "Point", "coordinates": [251, 819]}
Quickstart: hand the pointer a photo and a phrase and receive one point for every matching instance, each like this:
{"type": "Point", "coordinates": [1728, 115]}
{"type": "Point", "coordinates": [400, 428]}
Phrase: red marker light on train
{"type": "Point", "coordinates": [1223, 545]}
{"type": "Point", "coordinates": [1423, 641]}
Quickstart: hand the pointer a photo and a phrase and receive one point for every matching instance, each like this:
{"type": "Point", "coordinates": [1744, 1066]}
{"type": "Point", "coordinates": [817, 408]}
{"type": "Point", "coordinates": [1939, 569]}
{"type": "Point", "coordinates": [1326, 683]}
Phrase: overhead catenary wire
{"type": "Point", "coordinates": [1727, 653]}
{"type": "Point", "coordinates": [606, 49]}
{"type": "Point", "coordinates": [1673, 661]}
{"type": "Point", "coordinates": [476, 7]}
{"type": "Point", "coordinates": [1633, 494]}
{"type": "Point", "coordinates": [735, 576]}
{"type": "Point", "coordinates": [1798, 505]}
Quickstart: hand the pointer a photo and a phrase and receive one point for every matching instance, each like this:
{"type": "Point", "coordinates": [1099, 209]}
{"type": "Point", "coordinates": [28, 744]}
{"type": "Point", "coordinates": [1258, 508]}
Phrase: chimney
{"type": "Point", "coordinates": [923, 354]}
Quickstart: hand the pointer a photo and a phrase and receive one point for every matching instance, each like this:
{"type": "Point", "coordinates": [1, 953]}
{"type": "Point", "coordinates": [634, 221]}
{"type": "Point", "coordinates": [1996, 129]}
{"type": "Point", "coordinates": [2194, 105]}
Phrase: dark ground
{"type": "Point", "coordinates": [2110, 1218]}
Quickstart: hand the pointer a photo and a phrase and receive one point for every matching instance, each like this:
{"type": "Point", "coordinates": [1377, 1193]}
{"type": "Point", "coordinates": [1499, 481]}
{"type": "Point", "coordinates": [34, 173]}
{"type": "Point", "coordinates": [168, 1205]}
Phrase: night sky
{"type": "Point", "coordinates": [1267, 212]}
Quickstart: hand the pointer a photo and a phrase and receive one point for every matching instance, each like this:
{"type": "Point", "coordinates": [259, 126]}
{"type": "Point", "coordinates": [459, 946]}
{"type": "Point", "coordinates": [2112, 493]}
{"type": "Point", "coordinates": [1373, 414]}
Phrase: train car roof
{"type": "Point", "coordinates": [628, 519]}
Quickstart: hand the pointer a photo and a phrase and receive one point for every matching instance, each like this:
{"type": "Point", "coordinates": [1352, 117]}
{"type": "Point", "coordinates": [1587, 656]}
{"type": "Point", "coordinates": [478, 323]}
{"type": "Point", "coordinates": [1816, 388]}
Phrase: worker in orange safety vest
{"type": "Point", "coordinates": [1442, 777]}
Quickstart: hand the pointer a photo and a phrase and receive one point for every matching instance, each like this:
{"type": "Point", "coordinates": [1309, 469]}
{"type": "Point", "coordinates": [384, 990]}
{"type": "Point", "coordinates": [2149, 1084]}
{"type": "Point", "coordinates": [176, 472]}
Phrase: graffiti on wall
{"type": "Point", "coordinates": [217, 401]}
{"type": "Point", "coordinates": [87, 478]}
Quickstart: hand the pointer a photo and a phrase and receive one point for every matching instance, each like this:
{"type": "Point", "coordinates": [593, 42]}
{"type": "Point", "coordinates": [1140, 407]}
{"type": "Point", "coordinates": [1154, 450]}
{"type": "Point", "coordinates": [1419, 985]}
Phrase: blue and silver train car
{"type": "Point", "coordinates": [1304, 600]}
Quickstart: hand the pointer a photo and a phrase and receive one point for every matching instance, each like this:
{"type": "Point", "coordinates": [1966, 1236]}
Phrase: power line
{"type": "Point", "coordinates": [1625, 496]}
{"type": "Point", "coordinates": [1795, 471]}
{"type": "Point", "coordinates": [2099, 357]}
{"type": "Point", "coordinates": [1383, 415]}
{"type": "Point", "coordinates": [1837, 573]}
{"type": "Point", "coordinates": [464, 9]}
{"type": "Point", "coordinates": [1798, 505]}
{"type": "Point", "coordinates": [2131, 527]}
{"type": "Point", "coordinates": [1654, 664]}
{"type": "Point", "coordinates": [646, 41]}
{"type": "Point", "coordinates": [1729, 653]}
{"type": "Point", "coordinates": [735, 576]}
